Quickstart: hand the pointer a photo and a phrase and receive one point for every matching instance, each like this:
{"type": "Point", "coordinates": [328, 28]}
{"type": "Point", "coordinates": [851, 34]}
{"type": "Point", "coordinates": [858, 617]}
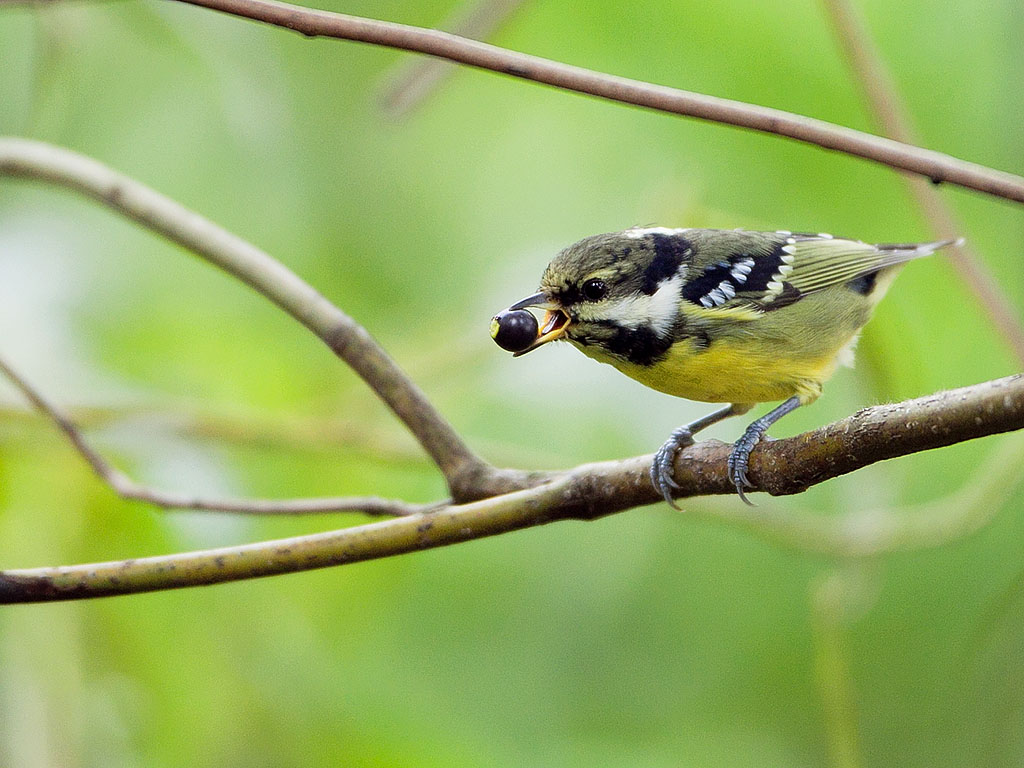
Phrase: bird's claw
{"type": "Point", "coordinates": [739, 462]}
{"type": "Point", "coordinates": [663, 466]}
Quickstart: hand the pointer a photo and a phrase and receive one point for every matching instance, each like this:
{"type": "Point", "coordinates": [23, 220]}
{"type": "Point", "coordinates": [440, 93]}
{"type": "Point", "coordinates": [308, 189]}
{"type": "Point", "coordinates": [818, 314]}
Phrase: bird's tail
{"type": "Point", "coordinates": [920, 249]}
{"type": "Point", "coordinates": [894, 256]}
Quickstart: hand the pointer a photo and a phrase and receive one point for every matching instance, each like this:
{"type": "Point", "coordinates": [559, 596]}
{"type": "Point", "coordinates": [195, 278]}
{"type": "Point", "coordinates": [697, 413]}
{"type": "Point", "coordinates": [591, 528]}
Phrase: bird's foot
{"type": "Point", "coordinates": [663, 466]}
{"type": "Point", "coordinates": [739, 460]}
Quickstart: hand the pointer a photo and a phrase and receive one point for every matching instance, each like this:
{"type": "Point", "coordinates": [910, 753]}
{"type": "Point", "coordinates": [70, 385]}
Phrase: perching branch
{"type": "Point", "coordinates": [588, 492]}
{"type": "Point", "coordinates": [935, 166]}
{"type": "Point", "coordinates": [892, 117]}
{"type": "Point", "coordinates": [508, 500]}
{"type": "Point", "coordinates": [350, 341]}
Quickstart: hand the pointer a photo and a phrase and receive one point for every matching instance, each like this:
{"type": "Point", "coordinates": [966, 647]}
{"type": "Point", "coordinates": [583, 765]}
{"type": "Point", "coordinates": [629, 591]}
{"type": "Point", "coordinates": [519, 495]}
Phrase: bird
{"type": "Point", "coordinates": [721, 316]}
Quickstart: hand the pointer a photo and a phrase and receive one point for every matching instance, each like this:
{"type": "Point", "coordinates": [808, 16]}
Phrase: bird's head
{"type": "Point", "coordinates": [619, 292]}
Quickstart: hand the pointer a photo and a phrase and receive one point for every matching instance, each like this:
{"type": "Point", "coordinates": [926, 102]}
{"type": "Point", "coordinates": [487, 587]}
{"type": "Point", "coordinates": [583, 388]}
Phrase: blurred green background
{"type": "Point", "coordinates": [651, 638]}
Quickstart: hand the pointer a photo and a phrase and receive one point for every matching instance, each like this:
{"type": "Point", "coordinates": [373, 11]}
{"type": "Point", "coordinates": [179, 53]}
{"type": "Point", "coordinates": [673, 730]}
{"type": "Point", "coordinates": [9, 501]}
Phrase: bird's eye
{"type": "Point", "coordinates": [594, 290]}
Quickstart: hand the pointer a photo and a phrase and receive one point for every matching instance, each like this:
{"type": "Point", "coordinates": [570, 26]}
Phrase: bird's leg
{"type": "Point", "coordinates": [739, 459]}
{"type": "Point", "coordinates": [663, 466]}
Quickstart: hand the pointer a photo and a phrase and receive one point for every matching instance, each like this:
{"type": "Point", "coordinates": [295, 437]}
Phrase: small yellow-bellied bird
{"type": "Point", "coordinates": [721, 316]}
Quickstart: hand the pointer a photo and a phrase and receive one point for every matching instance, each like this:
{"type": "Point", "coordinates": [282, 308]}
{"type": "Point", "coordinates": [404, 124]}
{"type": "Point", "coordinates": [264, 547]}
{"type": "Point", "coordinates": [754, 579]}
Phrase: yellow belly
{"type": "Point", "coordinates": [728, 372]}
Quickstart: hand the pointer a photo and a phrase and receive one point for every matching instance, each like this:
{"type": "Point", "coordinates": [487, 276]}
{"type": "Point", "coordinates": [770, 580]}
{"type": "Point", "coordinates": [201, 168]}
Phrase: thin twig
{"type": "Point", "coordinates": [350, 341]}
{"type": "Point", "coordinates": [253, 428]}
{"type": "Point", "coordinates": [935, 166]}
{"type": "Point", "coordinates": [127, 488]}
{"type": "Point", "coordinates": [416, 80]}
{"type": "Point", "coordinates": [586, 492]}
{"type": "Point", "coordinates": [895, 121]}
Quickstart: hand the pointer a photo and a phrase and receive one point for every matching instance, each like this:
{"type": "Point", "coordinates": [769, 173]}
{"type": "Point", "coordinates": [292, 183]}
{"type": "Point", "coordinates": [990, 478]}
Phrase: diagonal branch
{"type": "Point", "coordinates": [128, 489]}
{"type": "Point", "coordinates": [346, 338]}
{"type": "Point", "coordinates": [416, 80]}
{"type": "Point", "coordinates": [936, 166]}
{"type": "Point", "coordinates": [894, 120]}
{"type": "Point", "coordinates": [586, 492]}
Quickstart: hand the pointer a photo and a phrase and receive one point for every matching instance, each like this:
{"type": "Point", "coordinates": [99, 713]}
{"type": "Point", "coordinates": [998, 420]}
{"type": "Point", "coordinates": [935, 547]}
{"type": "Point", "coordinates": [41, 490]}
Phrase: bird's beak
{"type": "Point", "coordinates": [552, 326]}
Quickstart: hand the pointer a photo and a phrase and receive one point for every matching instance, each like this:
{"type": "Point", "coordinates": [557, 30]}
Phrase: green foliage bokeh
{"type": "Point", "coordinates": [646, 639]}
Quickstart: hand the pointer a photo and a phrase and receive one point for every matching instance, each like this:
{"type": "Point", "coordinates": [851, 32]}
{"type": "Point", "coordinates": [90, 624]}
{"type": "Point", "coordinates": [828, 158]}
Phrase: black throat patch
{"type": "Point", "coordinates": [640, 346]}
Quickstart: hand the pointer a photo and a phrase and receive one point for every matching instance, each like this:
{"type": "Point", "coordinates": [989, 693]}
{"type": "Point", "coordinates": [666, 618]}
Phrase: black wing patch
{"type": "Point", "coordinates": [759, 276]}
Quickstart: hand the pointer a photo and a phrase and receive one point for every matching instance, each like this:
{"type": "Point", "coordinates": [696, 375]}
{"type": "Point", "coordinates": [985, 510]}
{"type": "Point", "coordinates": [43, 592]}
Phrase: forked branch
{"type": "Point", "coordinates": [507, 500]}
{"type": "Point", "coordinates": [594, 490]}
{"type": "Point", "coordinates": [346, 338]}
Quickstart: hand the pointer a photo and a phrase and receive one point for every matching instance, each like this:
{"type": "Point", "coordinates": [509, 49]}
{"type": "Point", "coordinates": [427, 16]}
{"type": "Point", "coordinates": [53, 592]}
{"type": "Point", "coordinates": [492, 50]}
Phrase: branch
{"type": "Point", "coordinates": [508, 500]}
{"type": "Point", "coordinates": [586, 492]}
{"type": "Point", "coordinates": [127, 489]}
{"type": "Point", "coordinates": [873, 532]}
{"type": "Point", "coordinates": [935, 166]}
{"type": "Point", "coordinates": [895, 122]}
{"type": "Point", "coordinates": [36, 160]}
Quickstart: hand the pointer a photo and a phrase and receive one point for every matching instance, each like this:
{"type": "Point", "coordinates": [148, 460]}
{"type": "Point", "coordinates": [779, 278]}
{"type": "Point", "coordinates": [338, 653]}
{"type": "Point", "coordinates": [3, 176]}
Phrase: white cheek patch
{"type": "Point", "coordinates": [663, 305]}
{"type": "Point", "coordinates": [659, 310]}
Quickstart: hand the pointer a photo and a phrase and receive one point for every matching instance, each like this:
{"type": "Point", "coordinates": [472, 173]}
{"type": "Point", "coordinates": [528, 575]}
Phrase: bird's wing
{"type": "Point", "coordinates": [820, 262]}
{"type": "Point", "coordinates": [789, 266]}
